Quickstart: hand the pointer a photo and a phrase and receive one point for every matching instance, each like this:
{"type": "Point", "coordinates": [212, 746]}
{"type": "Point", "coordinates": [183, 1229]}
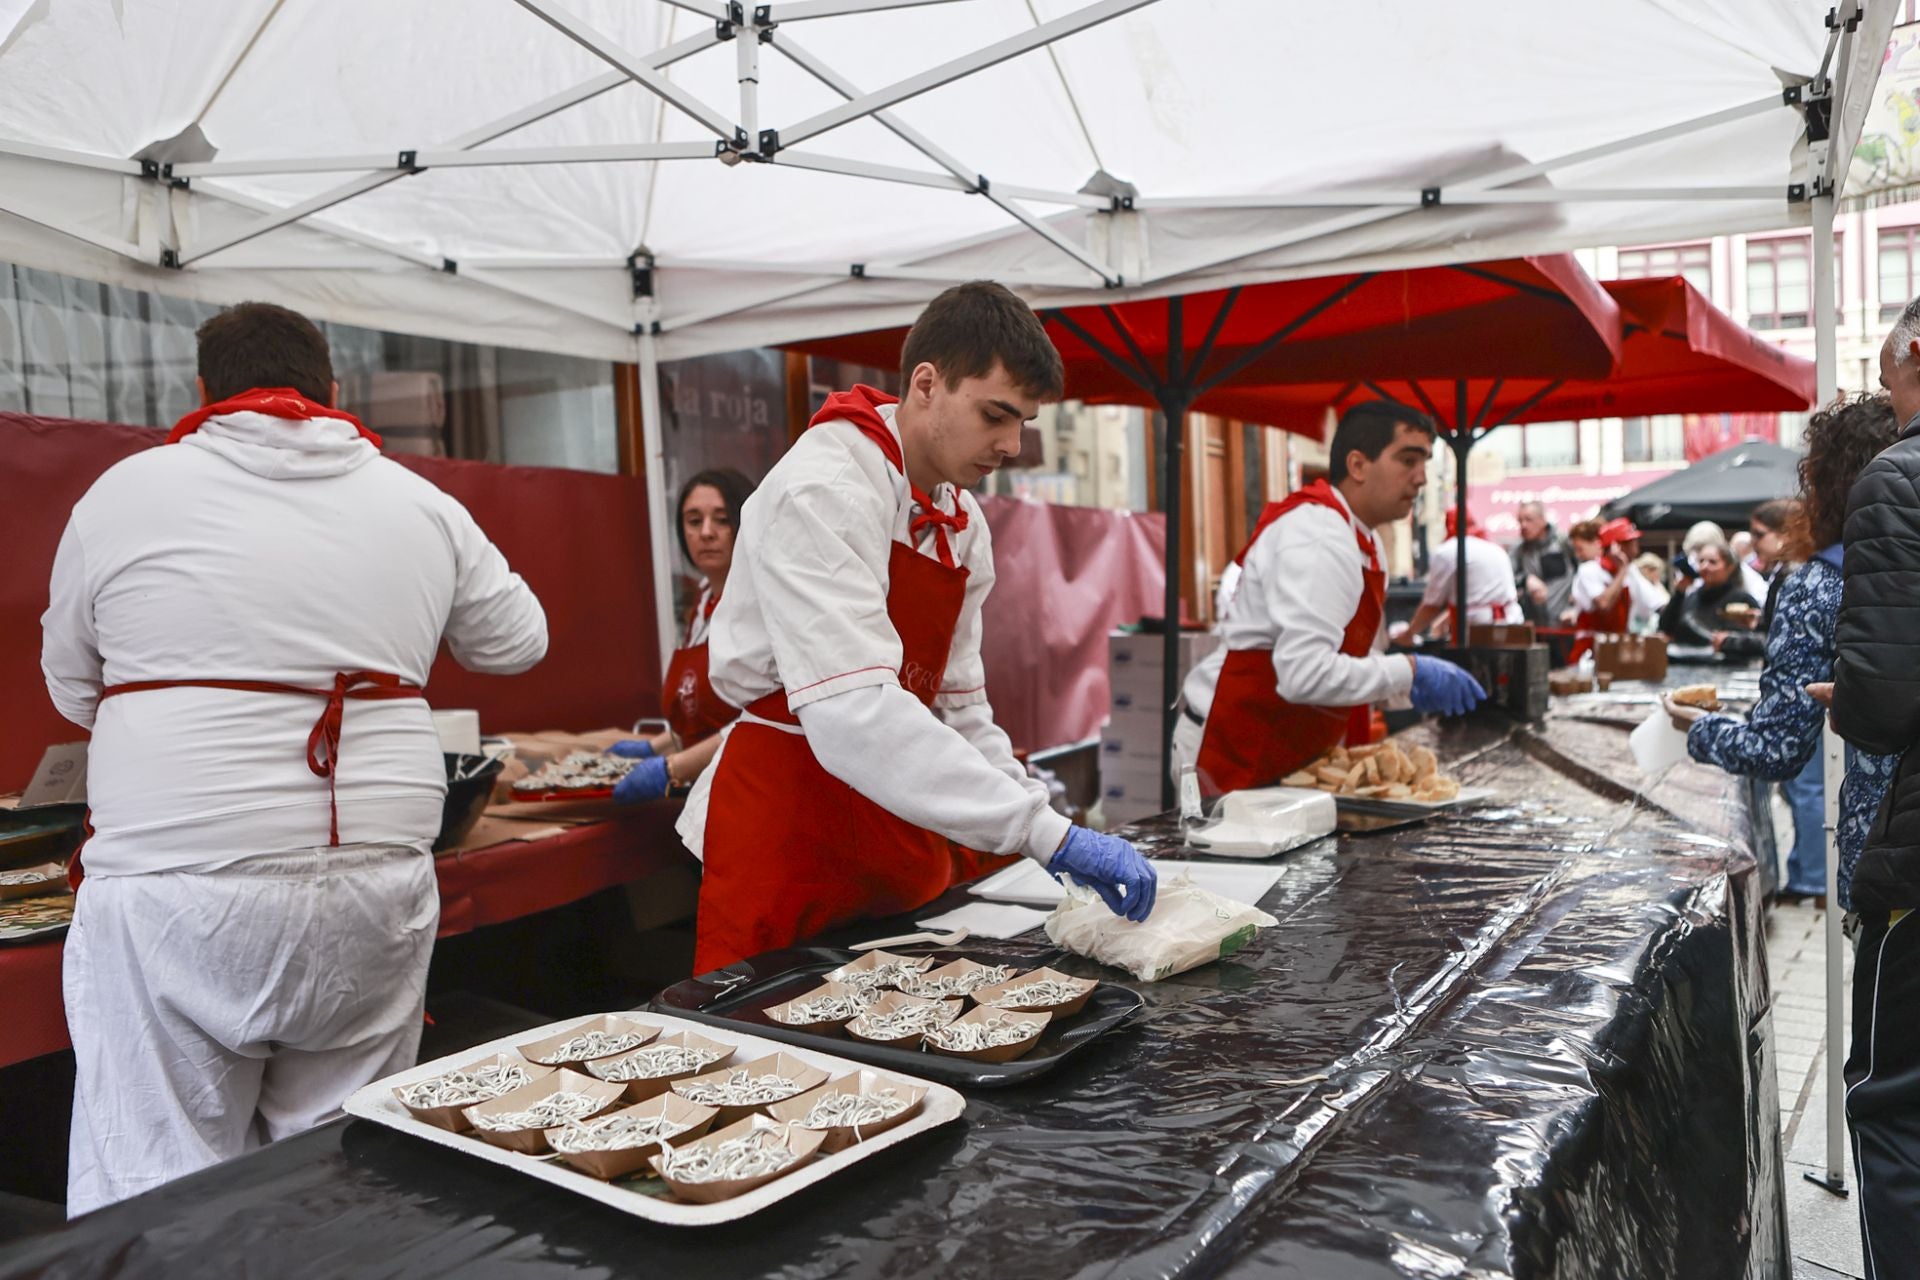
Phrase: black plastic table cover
{"type": "Point", "coordinates": [1525, 1040]}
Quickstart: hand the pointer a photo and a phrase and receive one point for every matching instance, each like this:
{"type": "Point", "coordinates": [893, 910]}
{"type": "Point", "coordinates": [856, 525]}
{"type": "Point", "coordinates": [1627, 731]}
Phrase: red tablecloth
{"type": "Point", "coordinates": [478, 887]}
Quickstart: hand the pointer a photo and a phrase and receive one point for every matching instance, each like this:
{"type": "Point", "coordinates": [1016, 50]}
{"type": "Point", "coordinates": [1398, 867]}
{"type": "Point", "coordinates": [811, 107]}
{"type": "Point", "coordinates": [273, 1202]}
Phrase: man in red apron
{"type": "Point", "coordinates": [850, 632]}
{"type": "Point", "coordinates": [245, 618]}
{"type": "Point", "coordinates": [1300, 669]}
{"type": "Point", "coordinates": [1606, 591]}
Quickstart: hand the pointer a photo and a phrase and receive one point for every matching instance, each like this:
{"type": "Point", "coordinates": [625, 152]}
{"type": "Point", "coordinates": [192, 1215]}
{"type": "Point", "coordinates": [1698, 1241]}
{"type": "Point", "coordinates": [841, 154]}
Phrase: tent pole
{"type": "Point", "coordinates": [659, 528]}
{"type": "Point", "coordinates": [1175, 398]}
{"type": "Point", "coordinates": [1826, 380]}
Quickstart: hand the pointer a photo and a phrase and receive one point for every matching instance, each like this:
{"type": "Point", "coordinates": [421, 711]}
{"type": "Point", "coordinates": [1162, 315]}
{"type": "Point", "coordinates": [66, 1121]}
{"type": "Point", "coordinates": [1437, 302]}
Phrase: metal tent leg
{"type": "Point", "coordinates": [1826, 362]}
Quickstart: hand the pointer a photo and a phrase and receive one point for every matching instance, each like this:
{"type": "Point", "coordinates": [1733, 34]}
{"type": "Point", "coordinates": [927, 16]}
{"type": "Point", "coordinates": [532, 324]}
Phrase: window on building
{"type": "Point", "coordinates": [1658, 439]}
{"type": "Point", "coordinates": [1898, 246]}
{"type": "Point", "coordinates": [1536, 446]}
{"type": "Point", "coordinates": [1694, 261]}
{"type": "Point", "coordinates": [78, 349]}
{"type": "Point", "coordinates": [1780, 281]}
{"type": "Point", "coordinates": [1552, 444]}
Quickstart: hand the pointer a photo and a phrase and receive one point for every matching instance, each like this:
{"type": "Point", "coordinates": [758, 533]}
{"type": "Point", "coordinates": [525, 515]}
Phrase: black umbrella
{"type": "Point", "coordinates": [1723, 487]}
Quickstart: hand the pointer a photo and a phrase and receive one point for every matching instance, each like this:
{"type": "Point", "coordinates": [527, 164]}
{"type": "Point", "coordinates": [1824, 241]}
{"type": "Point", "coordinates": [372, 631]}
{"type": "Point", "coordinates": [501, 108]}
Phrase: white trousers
{"type": "Point", "coordinates": [214, 1011]}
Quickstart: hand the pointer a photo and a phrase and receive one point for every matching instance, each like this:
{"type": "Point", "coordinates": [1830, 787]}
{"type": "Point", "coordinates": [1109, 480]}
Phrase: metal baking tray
{"type": "Point", "coordinates": [736, 997]}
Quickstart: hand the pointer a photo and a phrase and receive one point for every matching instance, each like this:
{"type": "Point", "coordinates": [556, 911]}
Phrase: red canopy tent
{"type": "Point", "coordinates": [1190, 353]}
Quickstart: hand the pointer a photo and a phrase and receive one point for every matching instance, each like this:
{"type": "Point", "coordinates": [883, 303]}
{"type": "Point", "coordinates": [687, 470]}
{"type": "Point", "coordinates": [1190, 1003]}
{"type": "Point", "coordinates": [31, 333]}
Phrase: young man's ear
{"type": "Point", "coordinates": [200, 385]}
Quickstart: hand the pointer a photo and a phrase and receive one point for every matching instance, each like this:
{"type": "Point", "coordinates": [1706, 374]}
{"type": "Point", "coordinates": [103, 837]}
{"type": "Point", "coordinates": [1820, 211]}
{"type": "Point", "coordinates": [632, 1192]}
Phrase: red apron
{"type": "Point", "coordinates": [693, 709]}
{"type": "Point", "coordinates": [1608, 621]}
{"type": "Point", "coordinates": [790, 849]}
{"type": "Point", "coordinates": [1254, 737]}
{"type": "Point", "coordinates": [323, 743]}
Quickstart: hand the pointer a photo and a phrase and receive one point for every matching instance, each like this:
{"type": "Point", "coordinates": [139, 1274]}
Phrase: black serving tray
{"type": "Point", "coordinates": [738, 996]}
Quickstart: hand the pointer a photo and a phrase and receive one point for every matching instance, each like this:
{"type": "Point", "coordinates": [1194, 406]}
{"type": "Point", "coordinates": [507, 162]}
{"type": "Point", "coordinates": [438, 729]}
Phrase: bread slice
{"type": "Point", "coordinates": [1704, 696]}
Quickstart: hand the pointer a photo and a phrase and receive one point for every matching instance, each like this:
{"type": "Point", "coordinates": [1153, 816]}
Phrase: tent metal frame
{"type": "Point", "coordinates": [745, 139]}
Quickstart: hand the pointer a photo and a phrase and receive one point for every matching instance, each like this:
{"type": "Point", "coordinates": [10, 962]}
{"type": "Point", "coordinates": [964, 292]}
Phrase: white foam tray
{"type": "Point", "coordinates": [376, 1102]}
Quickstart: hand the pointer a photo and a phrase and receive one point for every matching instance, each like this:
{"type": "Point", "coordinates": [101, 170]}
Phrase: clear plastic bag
{"type": "Point", "coordinates": [1189, 927]}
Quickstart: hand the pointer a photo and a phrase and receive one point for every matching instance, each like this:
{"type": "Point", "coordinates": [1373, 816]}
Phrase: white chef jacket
{"type": "Point", "coordinates": [805, 610]}
{"type": "Point", "coordinates": [1593, 578]}
{"type": "Point", "coordinates": [1299, 588]}
{"type": "Point", "coordinates": [266, 549]}
{"type": "Point", "coordinates": [700, 624]}
{"type": "Point", "coordinates": [1491, 596]}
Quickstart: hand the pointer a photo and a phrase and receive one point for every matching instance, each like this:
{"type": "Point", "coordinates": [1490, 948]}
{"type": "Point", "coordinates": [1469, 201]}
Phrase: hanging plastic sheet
{"type": "Point", "coordinates": [1525, 1040]}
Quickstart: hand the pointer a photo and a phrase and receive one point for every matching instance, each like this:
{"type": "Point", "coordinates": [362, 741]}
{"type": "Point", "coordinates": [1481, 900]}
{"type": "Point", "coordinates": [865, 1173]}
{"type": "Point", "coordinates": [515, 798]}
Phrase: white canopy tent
{"type": "Point", "coordinates": [665, 178]}
{"type": "Point", "coordinates": [650, 179]}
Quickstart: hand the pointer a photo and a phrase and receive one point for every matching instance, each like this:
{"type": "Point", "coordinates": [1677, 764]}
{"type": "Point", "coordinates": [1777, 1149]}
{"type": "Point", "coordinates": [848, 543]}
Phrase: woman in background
{"type": "Point", "coordinates": [1709, 605]}
{"type": "Point", "coordinates": [709, 515]}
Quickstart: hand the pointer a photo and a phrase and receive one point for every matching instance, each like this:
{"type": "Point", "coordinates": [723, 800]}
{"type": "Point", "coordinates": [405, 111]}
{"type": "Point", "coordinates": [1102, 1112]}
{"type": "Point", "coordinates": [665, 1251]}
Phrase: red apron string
{"type": "Point", "coordinates": [323, 743]}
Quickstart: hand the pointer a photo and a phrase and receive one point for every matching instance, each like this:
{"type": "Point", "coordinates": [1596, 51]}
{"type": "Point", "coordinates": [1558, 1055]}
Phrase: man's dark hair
{"type": "Point", "coordinates": [257, 344]}
{"type": "Point", "coordinates": [1369, 427]}
{"type": "Point", "coordinates": [734, 489]}
{"type": "Point", "coordinates": [972, 327]}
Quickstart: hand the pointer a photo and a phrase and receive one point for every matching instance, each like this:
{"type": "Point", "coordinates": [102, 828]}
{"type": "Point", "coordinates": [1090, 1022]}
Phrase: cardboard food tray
{"type": "Point", "coordinates": [558, 797]}
{"type": "Point", "coordinates": [739, 1007]}
{"type": "Point", "coordinates": [1468, 797]}
{"type": "Point", "coordinates": [377, 1104]}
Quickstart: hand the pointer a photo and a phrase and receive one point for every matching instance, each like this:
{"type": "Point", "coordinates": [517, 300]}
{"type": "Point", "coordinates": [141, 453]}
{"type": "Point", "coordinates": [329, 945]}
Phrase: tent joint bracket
{"type": "Point", "coordinates": [640, 274]}
{"type": "Point", "coordinates": [1852, 23]}
{"type": "Point", "coordinates": [170, 259]}
{"type": "Point", "coordinates": [1429, 197]}
{"type": "Point", "coordinates": [408, 161]}
{"type": "Point", "coordinates": [449, 266]}
{"type": "Point", "coordinates": [769, 142]}
{"type": "Point", "coordinates": [859, 271]}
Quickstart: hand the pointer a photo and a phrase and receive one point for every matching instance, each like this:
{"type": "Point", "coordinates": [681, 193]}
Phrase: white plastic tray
{"type": "Point", "coordinates": [376, 1103]}
{"type": "Point", "coordinates": [1028, 884]}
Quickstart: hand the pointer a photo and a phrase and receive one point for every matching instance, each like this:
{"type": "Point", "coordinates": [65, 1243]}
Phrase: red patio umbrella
{"type": "Point", "coordinates": [1679, 354]}
{"type": "Point", "coordinates": [1187, 353]}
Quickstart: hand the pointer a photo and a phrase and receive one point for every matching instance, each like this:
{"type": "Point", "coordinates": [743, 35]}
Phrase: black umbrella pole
{"type": "Point", "coordinates": [1174, 411]}
{"type": "Point", "coordinates": [1462, 445]}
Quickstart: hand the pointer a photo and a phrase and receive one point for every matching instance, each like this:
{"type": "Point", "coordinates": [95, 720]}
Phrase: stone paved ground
{"type": "Point", "coordinates": [1822, 1227]}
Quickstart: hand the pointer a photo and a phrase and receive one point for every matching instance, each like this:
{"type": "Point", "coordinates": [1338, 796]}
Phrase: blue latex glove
{"type": "Point", "coordinates": [1439, 685]}
{"type": "Point", "coordinates": [632, 749]}
{"type": "Point", "coordinates": [1103, 864]}
{"type": "Point", "coordinates": [648, 781]}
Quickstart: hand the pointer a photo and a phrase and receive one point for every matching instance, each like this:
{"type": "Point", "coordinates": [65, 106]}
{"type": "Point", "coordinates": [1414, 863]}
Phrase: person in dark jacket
{"type": "Point", "coordinates": [1693, 617]}
{"type": "Point", "coordinates": [1876, 708]}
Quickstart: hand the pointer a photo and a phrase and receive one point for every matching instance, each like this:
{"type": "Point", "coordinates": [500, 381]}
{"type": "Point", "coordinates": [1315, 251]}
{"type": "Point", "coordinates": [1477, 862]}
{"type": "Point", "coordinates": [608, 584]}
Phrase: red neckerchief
{"type": "Point", "coordinates": [861, 407]}
{"type": "Point", "coordinates": [1317, 494]}
{"type": "Point", "coordinates": [277, 402]}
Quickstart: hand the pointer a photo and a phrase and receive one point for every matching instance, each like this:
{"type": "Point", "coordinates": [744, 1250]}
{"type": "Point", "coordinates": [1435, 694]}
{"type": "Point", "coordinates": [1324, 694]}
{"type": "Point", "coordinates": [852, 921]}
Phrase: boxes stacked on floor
{"type": "Point", "coordinates": [1130, 766]}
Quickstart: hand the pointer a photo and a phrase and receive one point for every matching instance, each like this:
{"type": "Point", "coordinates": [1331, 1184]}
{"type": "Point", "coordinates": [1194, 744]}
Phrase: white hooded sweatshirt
{"type": "Point", "coordinates": [261, 548]}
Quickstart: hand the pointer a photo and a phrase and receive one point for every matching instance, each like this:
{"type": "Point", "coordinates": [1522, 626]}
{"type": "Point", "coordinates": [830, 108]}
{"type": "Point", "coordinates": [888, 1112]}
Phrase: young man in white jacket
{"type": "Point", "coordinates": [245, 618]}
{"type": "Point", "coordinates": [866, 769]}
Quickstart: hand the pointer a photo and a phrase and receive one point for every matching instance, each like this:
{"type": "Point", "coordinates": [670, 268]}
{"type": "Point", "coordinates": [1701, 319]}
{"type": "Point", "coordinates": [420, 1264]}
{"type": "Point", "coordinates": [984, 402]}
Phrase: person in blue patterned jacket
{"type": "Point", "coordinates": [1783, 731]}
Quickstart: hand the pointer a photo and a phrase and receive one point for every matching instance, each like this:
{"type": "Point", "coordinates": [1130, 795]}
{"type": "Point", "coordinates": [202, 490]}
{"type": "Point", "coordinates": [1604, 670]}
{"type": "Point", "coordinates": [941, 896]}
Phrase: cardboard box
{"type": "Point", "coordinates": [1500, 635]}
{"type": "Point", "coordinates": [1631, 657]}
{"type": "Point", "coordinates": [1133, 751]}
{"type": "Point", "coordinates": [1143, 649]}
